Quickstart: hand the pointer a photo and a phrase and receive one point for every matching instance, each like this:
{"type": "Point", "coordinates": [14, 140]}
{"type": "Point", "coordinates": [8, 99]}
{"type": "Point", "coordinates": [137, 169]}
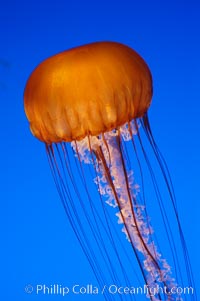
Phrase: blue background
{"type": "Point", "coordinates": [37, 244]}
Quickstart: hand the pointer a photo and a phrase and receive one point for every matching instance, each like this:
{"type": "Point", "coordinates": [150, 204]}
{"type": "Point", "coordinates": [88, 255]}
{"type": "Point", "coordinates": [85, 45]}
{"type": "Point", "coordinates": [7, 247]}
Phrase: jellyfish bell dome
{"type": "Point", "coordinates": [87, 90]}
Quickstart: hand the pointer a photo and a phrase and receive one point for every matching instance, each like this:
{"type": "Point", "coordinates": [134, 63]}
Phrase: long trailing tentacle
{"type": "Point", "coordinates": [141, 241]}
{"type": "Point", "coordinates": [167, 178]}
{"type": "Point", "coordinates": [113, 163]}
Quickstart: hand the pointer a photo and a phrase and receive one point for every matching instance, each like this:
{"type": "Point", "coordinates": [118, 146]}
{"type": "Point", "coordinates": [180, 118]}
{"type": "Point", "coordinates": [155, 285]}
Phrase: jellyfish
{"type": "Point", "coordinates": [89, 106]}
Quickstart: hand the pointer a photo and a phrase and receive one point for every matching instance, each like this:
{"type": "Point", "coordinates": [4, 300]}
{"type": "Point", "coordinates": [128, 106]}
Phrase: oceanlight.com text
{"type": "Point", "coordinates": [90, 289]}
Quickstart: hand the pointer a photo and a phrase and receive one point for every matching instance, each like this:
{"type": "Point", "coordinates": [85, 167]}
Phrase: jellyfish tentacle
{"type": "Point", "coordinates": [151, 260]}
{"type": "Point", "coordinates": [101, 159]}
{"type": "Point", "coordinates": [167, 177]}
{"type": "Point", "coordinates": [64, 193]}
{"type": "Point", "coordinates": [128, 231]}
